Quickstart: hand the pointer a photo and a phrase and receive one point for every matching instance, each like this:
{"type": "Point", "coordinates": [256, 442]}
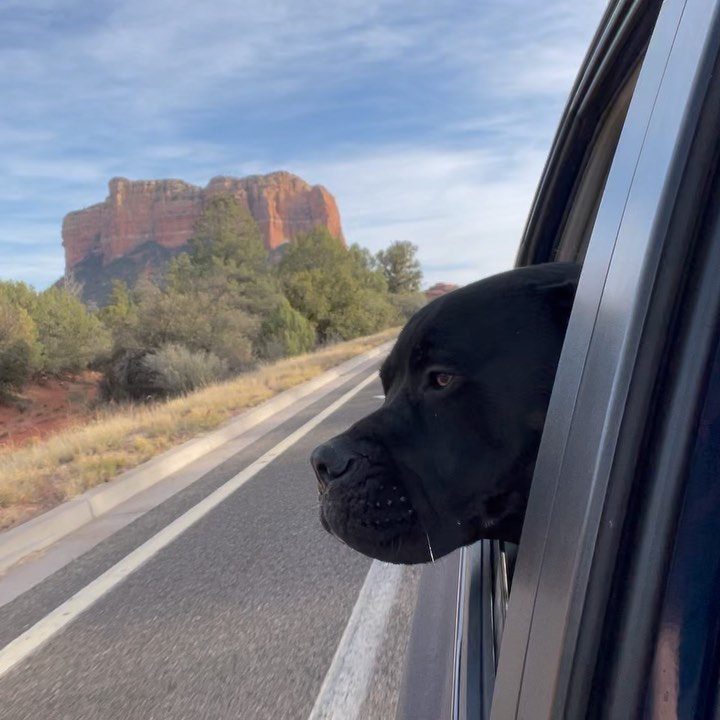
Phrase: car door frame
{"type": "Point", "coordinates": [550, 589]}
{"type": "Point", "coordinates": [599, 362]}
{"type": "Point", "coordinates": [614, 55]}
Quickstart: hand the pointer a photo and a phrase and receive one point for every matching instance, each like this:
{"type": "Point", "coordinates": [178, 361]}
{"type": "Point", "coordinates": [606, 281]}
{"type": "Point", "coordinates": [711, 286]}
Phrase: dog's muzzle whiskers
{"type": "Point", "coordinates": [432, 557]}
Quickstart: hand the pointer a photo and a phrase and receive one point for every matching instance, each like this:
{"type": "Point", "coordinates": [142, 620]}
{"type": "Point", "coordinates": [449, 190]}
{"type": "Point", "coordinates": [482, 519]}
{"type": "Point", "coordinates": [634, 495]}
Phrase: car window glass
{"type": "Point", "coordinates": [563, 211]}
{"type": "Point", "coordinates": [575, 236]}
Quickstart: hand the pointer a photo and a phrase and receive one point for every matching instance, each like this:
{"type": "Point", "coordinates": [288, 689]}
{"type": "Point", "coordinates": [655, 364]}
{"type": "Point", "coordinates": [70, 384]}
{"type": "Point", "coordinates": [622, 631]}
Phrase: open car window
{"type": "Point", "coordinates": [569, 587]}
{"type": "Point", "coordinates": [563, 212]}
{"type": "Point", "coordinates": [573, 240]}
{"type": "Point", "coordinates": [595, 131]}
{"type": "Point", "coordinates": [560, 223]}
{"type": "Point", "coordinates": [571, 246]}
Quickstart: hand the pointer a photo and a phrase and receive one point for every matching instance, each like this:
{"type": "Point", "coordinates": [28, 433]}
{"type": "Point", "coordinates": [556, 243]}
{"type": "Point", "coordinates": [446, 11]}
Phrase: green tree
{"type": "Point", "coordinates": [70, 336]}
{"type": "Point", "coordinates": [227, 234]}
{"type": "Point", "coordinates": [120, 315]}
{"type": "Point", "coordinates": [284, 332]}
{"type": "Point", "coordinates": [227, 243]}
{"type": "Point", "coordinates": [335, 288]}
{"type": "Point", "coordinates": [214, 297]}
{"type": "Point", "coordinates": [227, 265]}
{"type": "Point", "coordinates": [407, 304]}
{"type": "Point", "coordinates": [19, 347]}
{"type": "Point", "coordinates": [370, 272]}
{"type": "Point", "coordinates": [401, 267]}
{"type": "Point", "coordinates": [202, 318]}
{"type": "Point", "coordinates": [20, 294]}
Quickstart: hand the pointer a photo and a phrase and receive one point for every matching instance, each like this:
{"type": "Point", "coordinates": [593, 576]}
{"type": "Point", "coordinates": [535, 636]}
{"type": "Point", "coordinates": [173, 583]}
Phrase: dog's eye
{"type": "Point", "coordinates": [440, 380]}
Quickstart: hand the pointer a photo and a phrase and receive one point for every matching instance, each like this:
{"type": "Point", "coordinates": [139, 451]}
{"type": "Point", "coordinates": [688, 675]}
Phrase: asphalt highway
{"type": "Point", "coordinates": [251, 612]}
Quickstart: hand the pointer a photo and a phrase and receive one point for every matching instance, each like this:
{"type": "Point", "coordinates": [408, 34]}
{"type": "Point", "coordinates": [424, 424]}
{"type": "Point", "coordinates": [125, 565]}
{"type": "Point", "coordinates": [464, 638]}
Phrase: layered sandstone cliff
{"type": "Point", "coordinates": [162, 213]}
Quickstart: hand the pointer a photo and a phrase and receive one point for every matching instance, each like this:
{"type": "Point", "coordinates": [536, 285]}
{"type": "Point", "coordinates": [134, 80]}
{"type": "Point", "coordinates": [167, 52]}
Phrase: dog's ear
{"type": "Point", "coordinates": [559, 289]}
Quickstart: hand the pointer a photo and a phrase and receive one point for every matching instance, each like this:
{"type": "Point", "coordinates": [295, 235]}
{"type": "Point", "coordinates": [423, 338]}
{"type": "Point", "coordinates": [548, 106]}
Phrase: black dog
{"type": "Point", "coordinates": [449, 457]}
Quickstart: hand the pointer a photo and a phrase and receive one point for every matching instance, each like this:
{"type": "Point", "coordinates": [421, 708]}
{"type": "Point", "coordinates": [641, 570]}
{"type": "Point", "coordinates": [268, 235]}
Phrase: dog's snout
{"type": "Point", "coordinates": [330, 461]}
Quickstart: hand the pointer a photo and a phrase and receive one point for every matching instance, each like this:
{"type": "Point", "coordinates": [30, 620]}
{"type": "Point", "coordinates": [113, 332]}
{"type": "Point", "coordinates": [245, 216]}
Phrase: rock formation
{"type": "Point", "coordinates": [439, 289]}
{"type": "Point", "coordinates": [164, 212]}
{"type": "Point", "coordinates": [142, 224]}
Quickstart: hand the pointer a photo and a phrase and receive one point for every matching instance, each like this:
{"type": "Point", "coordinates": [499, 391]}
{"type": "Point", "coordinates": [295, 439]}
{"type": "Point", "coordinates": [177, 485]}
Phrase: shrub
{"type": "Point", "coordinates": [170, 370]}
{"type": "Point", "coordinates": [202, 318]}
{"type": "Point", "coordinates": [178, 370]}
{"type": "Point", "coordinates": [127, 378]}
{"type": "Point", "coordinates": [15, 367]}
{"type": "Point", "coordinates": [337, 289]}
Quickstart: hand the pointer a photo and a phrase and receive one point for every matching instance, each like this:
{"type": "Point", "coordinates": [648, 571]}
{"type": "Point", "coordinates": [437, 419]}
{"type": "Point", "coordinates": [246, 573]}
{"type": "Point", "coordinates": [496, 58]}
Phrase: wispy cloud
{"type": "Point", "coordinates": [464, 209]}
{"type": "Point", "coordinates": [429, 121]}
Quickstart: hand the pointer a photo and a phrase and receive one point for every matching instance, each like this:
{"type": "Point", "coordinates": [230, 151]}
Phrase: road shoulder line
{"type": "Point", "coordinates": [33, 638]}
{"type": "Point", "coordinates": [345, 686]}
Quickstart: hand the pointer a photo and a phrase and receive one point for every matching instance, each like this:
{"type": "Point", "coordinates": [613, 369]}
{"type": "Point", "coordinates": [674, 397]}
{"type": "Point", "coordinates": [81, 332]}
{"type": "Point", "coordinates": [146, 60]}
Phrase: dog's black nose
{"type": "Point", "coordinates": [330, 460]}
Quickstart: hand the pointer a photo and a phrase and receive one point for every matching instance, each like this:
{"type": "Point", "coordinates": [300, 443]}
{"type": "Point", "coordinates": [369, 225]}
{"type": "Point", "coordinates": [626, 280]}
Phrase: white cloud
{"type": "Point", "coordinates": [157, 88]}
{"type": "Point", "coordinates": [464, 210]}
{"type": "Point", "coordinates": [152, 56]}
{"type": "Point", "coordinates": [34, 254]}
{"type": "Point", "coordinates": [65, 170]}
{"type": "Point", "coordinates": [44, 269]}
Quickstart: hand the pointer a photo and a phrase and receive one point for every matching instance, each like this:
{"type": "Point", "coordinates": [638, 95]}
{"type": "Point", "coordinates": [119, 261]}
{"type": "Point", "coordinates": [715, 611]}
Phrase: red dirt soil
{"type": "Point", "coordinates": [46, 407]}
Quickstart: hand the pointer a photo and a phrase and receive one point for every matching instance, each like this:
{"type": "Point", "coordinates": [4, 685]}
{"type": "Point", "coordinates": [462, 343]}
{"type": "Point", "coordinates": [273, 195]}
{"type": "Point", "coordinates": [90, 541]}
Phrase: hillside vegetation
{"type": "Point", "coordinates": [43, 474]}
{"type": "Point", "coordinates": [221, 309]}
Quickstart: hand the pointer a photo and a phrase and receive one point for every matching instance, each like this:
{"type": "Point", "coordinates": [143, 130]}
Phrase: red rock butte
{"type": "Point", "coordinates": [439, 289]}
{"type": "Point", "coordinates": [165, 212]}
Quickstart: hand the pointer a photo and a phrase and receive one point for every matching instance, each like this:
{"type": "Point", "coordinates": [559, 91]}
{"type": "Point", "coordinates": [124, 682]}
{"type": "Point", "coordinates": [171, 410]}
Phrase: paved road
{"type": "Point", "coordinates": [239, 617]}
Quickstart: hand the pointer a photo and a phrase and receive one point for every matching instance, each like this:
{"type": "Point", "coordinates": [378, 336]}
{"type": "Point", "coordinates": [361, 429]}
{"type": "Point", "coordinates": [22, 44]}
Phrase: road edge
{"type": "Point", "coordinates": [42, 531]}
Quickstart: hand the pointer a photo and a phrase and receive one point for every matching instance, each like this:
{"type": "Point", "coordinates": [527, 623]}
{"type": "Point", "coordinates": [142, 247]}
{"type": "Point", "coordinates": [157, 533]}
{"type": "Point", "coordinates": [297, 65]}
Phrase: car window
{"type": "Point", "coordinates": [651, 622]}
{"type": "Point", "coordinates": [559, 227]}
{"type": "Point", "coordinates": [578, 209]}
{"type": "Point", "coordinates": [565, 206]}
{"type": "Point", "coordinates": [605, 496]}
{"type": "Point", "coordinates": [574, 238]}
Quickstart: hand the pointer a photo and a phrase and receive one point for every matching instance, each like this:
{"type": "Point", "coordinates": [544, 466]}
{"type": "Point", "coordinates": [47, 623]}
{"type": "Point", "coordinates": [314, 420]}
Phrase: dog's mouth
{"type": "Point", "coordinates": [378, 519]}
{"type": "Point", "coordinates": [374, 516]}
{"type": "Point", "coordinates": [369, 506]}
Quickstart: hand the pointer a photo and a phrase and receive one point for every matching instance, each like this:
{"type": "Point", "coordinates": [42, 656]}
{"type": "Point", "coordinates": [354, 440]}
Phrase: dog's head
{"type": "Point", "coordinates": [449, 456]}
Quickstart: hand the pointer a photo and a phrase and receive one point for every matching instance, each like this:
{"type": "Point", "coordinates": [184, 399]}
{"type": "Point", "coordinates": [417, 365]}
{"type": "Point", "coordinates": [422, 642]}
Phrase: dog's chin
{"type": "Point", "coordinates": [369, 509]}
{"type": "Point", "coordinates": [404, 543]}
{"type": "Point", "coordinates": [407, 543]}
{"type": "Point", "coordinates": [408, 540]}
{"type": "Point", "coordinates": [389, 542]}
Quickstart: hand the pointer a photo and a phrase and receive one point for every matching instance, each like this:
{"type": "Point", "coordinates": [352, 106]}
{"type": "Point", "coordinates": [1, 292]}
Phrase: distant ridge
{"type": "Point", "coordinates": [144, 223]}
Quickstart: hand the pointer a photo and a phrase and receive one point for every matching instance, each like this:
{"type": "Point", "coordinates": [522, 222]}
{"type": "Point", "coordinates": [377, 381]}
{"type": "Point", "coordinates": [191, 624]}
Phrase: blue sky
{"type": "Point", "coordinates": [429, 121]}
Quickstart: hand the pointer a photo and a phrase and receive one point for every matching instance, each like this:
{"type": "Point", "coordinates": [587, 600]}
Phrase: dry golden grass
{"type": "Point", "coordinates": [43, 474]}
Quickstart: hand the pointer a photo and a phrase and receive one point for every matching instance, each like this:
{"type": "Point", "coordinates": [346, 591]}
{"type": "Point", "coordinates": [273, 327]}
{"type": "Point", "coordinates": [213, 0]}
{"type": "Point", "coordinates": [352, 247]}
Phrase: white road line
{"type": "Point", "coordinates": [345, 686]}
{"type": "Point", "coordinates": [44, 629]}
